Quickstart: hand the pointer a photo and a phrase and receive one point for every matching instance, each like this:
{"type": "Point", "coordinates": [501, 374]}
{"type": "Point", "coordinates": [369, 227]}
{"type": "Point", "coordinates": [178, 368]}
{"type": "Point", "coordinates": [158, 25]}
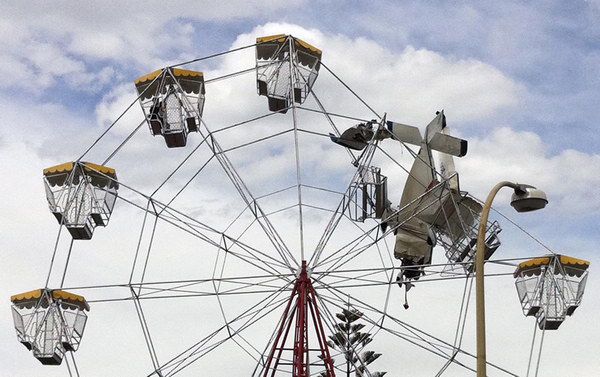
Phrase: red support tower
{"type": "Point", "coordinates": [301, 305]}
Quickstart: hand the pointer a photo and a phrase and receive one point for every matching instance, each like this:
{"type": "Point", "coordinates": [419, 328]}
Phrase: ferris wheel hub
{"type": "Point", "coordinates": [303, 271]}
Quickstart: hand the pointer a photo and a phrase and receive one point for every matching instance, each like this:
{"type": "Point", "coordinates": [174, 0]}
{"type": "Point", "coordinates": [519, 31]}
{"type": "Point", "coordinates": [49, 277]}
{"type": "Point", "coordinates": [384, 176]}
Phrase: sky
{"type": "Point", "coordinates": [519, 80]}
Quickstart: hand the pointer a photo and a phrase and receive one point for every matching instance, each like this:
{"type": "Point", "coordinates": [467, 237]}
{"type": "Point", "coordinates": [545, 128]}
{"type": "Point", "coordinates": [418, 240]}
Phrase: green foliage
{"type": "Point", "coordinates": [350, 341]}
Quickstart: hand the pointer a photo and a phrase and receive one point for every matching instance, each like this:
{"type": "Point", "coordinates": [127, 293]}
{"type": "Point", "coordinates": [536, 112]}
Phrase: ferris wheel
{"type": "Point", "coordinates": [283, 230]}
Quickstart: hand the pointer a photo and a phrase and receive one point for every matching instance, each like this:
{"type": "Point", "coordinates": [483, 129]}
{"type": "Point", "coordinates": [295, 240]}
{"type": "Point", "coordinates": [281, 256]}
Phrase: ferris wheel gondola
{"type": "Point", "coordinates": [551, 287]}
{"type": "Point", "coordinates": [173, 101]}
{"type": "Point", "coordinates": [49, 322]}
{"type": "Point", "coordinates": [81, 196]}
{"type": "Point", "coordinates": [286, 70]}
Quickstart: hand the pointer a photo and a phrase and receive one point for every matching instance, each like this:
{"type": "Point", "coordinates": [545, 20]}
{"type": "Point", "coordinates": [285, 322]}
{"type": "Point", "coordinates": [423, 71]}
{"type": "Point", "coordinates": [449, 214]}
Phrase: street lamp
{"type": "Point", "coordinates": [524, 199]}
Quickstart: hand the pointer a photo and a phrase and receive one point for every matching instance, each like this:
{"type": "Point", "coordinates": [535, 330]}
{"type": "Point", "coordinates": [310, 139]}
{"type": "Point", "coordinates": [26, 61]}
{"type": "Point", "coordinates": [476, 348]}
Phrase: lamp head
{"type": "Point", "coordinates": [527, 198]}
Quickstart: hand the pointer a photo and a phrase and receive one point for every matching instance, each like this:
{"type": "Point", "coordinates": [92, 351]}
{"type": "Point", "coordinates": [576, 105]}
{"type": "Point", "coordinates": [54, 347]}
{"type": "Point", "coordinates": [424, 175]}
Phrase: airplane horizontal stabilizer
{"type": "Point", "coordinates": [448, 144]}
{"type": "Point", "coordinates": [435, 137]}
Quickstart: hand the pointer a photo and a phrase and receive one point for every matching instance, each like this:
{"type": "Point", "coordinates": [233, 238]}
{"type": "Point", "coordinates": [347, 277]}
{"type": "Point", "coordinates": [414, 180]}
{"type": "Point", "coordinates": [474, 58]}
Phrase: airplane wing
{"type": "Point", "coordinates": [356, 137]}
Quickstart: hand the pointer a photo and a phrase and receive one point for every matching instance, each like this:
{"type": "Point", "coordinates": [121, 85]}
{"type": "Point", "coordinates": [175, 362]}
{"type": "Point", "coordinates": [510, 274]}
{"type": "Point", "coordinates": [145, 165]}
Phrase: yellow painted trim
{"type": "Point", "coordinates": [570, 261]}
{"type": "Point", "coordinates": [36, 294]}
{"type": "Point", "coordinates": [59, 169]}
{"type": "Point", "coordinates": [279, 37]}
{"type": "Point", "coordinates": [176, 72]}
{"type": "Point", "coordinates": [30, 299]}
{"type": "Point", "coordinates": [185, 73]}
{"type": "Point", "coordinates": [307, 46]}
{"type": "Point", "coordinates": [71, 298]}
{"type": "Point", "coordinates": [148, 77]}
{"type": "Point", "coordinates": [531, 264]}
{"type": "Point", "coordinates": [563, 259]}
{"type": "Point", "coordinates": [99, 168]}
{"type": "Point", "coordinates": [536, 262]}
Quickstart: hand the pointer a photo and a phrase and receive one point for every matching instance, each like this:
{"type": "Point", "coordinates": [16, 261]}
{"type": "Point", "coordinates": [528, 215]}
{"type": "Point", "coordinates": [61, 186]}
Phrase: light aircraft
{"type": "Point", "coordinates": [432, 209]}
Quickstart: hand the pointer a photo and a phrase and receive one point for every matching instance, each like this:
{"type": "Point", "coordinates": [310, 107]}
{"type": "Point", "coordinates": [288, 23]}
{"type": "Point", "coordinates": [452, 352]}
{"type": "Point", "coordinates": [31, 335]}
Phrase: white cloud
{"type": "Point", "coordinates": [99, 45]}
{"type": "Point", "coordinates": [409, 85]}
{"type": "Point", "coordinates": [421, 81]}
{"type": "Point", "coordinates": [568, 178]}
{"type": "Point", "coordinates": [114, 103]}
{"type": "Point", "coordinates": [52, 59]}
{"type": "Point", "coordinates": [594, 4]}
{"type": "Point", "coordinates": [121, 33]}
{"type": "Point", "coordinates": [17, 73]}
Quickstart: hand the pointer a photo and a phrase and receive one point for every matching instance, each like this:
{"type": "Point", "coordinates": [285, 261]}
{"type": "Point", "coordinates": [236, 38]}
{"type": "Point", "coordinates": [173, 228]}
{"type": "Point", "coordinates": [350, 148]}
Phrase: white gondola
{"type": "Point", "coordinates": [49, 322]}
{"type": "Point", "coordinates": [286, 69]}
{"type": "Point", "coordinates": [550, 288]}
{"type": "Point", "coordinates": [81, 195]}
{"type": "Point", "coordinates": [173, 101]}
{"type": "Point", "coordinates": [368, 195]}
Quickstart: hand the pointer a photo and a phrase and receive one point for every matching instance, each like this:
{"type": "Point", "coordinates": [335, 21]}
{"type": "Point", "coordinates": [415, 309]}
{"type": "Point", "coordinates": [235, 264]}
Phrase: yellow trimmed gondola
{"type": "Point", "coordinates": [286, 69]}
{"type": "Point", "coordinates": [551, 287]}
{"type": "Point", "coordinates": [81, 195]}
{"type": "Point", "coordinates": [49, 322]}
{"type": "Point", "coordinates": [173, 101]}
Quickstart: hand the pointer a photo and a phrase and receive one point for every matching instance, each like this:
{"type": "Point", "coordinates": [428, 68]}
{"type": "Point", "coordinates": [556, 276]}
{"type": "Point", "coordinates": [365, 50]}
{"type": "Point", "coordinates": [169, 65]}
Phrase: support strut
{"type": "Point", "coordinates": [301, 305]}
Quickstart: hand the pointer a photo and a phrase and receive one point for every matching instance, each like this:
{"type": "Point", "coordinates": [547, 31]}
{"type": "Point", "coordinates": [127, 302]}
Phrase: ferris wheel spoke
{"type": "Point", "coordinates": [209, 140]}
{"type": "Point", "coordinates": [339, 280]}
{"type": "Point", "coordinates": [226, 286]}
{"type": "Point", "coordinates": [362, 242]}
{"type": "Point", "coordinates": [145, 329]}
{"type": "Point", "coordinates": [351, 91]}
{"type": "Point", "coordinates": [298, 174]}
{"type": "Point", "coordinates": [357, 278]}
{"type": "Point", "coordinates": [214, 239]}
{"type": "Point", "coordinates": [247, 197]}
{"type": "Point", "coordinates": [404, 331]}
{"type": "Point", "coordinates": [207, 234]}
{"type": "Point", "coordinates": [418, 338]}
{"type": "Point", "coordinates": [367, 240]}
{"type": "Point", "coordinates": [362, 163]}
{"type": "Point", "coordinates": [164, 290]}
{"type": "Point", "coordinates": [184, 186]}
{"type": "Point", "coordinates": [341, 297]}
{"type": "Point", "coordinates": [329, 118]}
{"type": "Point", "coordinates": [348, 279]}
{"type": "Point", "coordinates": [228, 332]}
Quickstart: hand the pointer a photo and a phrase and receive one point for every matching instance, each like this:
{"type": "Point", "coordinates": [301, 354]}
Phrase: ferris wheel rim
{"type": "Point", "coordinates": [276, 271]}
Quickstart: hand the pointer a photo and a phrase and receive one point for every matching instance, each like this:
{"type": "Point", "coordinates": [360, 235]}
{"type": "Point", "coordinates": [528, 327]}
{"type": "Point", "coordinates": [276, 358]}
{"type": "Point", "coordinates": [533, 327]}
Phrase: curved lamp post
{"type": "Point", "coordinates": [525, 198]}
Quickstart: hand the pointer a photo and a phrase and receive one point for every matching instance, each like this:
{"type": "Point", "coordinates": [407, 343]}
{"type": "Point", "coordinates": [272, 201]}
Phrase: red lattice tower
{"type": "Point", "coordinates": [301, 305]}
